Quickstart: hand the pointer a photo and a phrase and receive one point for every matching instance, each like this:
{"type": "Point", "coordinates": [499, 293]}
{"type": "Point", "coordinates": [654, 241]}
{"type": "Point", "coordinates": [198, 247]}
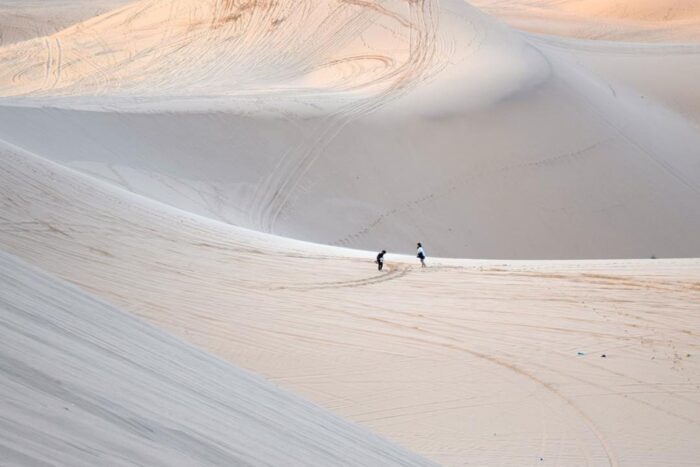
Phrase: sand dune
{"type": "Point", "coordinates": [635, 20]}
{"type": "Point", "coordinates": [217, 47]}
{"type": "Point", "coordinates": [464, 362]}
{"type": "Point", "coordinates": [661, 73]}
{"type": "Point", "coordinates": [21, 20]}
{"type": "Point", "coordinates": [84, 384]}
{"type": "Point", "coordinates": [147, 154]}
{"type": "Point", "coordinates": [410, 121]}
{"type": "Point", "coordinates": [644, 10]}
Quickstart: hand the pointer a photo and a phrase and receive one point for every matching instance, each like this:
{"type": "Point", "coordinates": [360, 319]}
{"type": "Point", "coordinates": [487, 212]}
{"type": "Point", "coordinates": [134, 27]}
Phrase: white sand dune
{"type": "Point", "coordinates": [631, 20]}
{"type": "Point", "coordinates": [21, 20]}
{"type": "Point", "coordinates": [664, 74]}
{"type": "Point", "coordinates": [126, 140]}
{"type": "Point", "coordinates": [410, 121]}
{"type": "Point", "coordinates": [643, 10]}
{"type": "Point", "coordinates": [85, 384]}
{"type": "Point", "coordinates": [470, 362]}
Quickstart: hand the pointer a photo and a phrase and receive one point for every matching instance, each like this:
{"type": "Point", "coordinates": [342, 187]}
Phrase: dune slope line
{"type": "Point", "coordinates": [84, 383]}
{"type": "Point", "coordinates": [622, 20]}
{"type": "Point", "coordinates": [21, 20]}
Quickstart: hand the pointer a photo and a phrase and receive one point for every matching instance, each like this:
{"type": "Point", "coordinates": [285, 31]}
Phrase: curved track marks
{"type": "Point", "coordinates": [490, 341]}
{"type": "Point", "coordinates": [275, 192]}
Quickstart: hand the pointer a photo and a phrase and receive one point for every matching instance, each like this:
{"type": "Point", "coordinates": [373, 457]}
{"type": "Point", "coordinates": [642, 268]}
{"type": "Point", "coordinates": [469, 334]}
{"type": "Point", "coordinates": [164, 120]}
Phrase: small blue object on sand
{"type": "Point", "coordinates": [580, 353]}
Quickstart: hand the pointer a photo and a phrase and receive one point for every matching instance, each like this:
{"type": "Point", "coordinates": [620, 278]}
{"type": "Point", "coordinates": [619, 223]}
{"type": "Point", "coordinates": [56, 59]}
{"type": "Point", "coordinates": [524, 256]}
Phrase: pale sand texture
{"type": "Point", "coordinates": [373, 125]}
{"type": "Point", "coordinates": [419, 120]}
{"type": "Point", "coordinates": [82, 383]}
{"type": "Point", "coordinates": [626, 20]}
{"type": "Point", "coordinates": [465, 362]}
{"type": "Point", "coordinates": [666, 74]}
{"type": "Point", "coordinates": [21, 20]}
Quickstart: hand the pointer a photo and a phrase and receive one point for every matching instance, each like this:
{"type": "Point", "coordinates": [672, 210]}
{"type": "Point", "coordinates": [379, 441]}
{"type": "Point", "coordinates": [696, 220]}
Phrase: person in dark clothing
{"type": "Point", "coordinates": [380, 260]}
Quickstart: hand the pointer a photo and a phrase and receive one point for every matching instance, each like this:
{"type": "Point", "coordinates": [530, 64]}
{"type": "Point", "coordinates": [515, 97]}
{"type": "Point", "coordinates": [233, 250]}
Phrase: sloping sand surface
{"type": "Point", "coordinates": [413, 121]}
{"type": "Point", "coordinates": [83, 384]}
{"type": "Point", "coordinates": [630, 20]}
{"type": "Point", "coordinates": [21, 20]}
{"type": "Point", "coordinates": [643, 10]}
{"type": "Point", "coordinates": [463, 362]}
{"type": "Point", "coordinates": [147, 154]}
{"type": "Point", "coordinates": [660, 73]}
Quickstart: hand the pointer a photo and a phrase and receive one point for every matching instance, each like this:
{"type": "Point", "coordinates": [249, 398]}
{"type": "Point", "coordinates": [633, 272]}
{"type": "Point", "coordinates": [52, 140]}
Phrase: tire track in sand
{"type": "Point", "coordinates": [390, 276]}
{"type": "Point", "coordinates": [54, 57]}
{"type": "Point", "coordinates": [275, 192]}
{"type": "Point", "coordinates": [451, 343]}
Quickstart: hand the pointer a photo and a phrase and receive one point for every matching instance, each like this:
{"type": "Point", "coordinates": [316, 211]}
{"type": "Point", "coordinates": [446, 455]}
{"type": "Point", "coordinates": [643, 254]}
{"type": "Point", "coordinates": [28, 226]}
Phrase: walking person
{"type": "Point", "coordinates": [380, 260]}
{"type": "Point", "coordinates": [420, 254]}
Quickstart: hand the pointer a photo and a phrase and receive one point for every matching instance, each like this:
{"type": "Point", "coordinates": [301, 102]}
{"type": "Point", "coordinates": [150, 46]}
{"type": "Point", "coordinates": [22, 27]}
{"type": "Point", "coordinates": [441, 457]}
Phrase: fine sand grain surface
{"type": "Point", "coordinates": [465, 362]}
{"type": "Point", "coordinates": [622, 20]}
{"type": "Point", "coordinates": [418, 120]}
{"type": "Point", "coordinates": [83, 383]}
{"type": "Point", "coordinates": [21, 20]}
{"type": "Point", "coordinates": [207, 166]}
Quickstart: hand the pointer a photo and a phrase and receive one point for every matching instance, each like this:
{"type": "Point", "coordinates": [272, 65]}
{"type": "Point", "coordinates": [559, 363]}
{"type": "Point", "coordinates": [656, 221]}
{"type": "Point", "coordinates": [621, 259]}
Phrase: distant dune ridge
{"type": "Point", "coordinates": [635, 20]}
{"type": "Point", "coordinates": [21, 20]}
{"type": "Point", "coordinates": [220, 47]}
{"type": "Point", "coordinates": [643, 10]}
{"type": "Point", "coordinates": [408, 120]}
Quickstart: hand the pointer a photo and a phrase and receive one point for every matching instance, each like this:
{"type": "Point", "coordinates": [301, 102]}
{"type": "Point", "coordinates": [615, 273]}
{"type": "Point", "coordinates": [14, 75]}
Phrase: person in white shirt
{"type": "Point", "coordinates": [420, 254]}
